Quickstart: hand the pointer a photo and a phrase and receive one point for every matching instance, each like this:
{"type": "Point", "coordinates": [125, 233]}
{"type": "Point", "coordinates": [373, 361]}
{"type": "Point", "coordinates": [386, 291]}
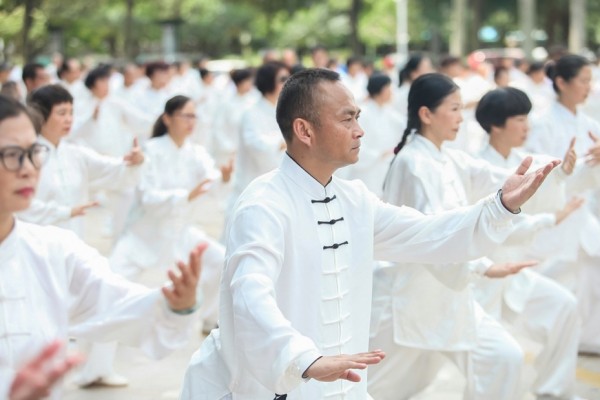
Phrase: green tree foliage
{"type": "Point", "coordinates": [127, 29]}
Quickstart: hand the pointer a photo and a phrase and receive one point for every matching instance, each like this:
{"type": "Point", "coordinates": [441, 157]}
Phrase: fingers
{"type": "Point", "coordinates": [593, 137]}
{"type": "Point", "coordinates": [135, 143]}
{"type": "Point", "coordinates": [351, 376]}
{"type": "Point", "coordinates": [522, 169]}
{"type": "Point", "coordinates": [572, 143]}
{"type": "Point", "coordinates": [47, 354]}
{"type": "Point", "coordinates": [60, 370]}
{"type": "Point", "coordinates": [516, 267]}
{"type": "Point", "coordinates": [195, 259]}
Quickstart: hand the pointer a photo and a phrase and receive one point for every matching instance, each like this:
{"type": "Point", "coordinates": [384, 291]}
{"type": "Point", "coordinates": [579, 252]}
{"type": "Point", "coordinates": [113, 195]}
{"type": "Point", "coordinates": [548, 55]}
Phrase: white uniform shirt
{"type": "Point", "coordinates": [383, 128]}
{"type": "Point", "coordinates": [65, 182]}
{"type": "Point", "coordinates": [53, 286]}
{"type": "Point", "coordinates": [228, 123]}
{"type": "Point", "coordinates": [162, 215]}
{"type": "Point", "coordinates": [112, 132]}
{"type": "Point", "coordinates": [259, 148]}
{"type": "Point", "coordinates": [298, 275]}
{"type": "Point", "coordinates": [551, 133]}
{"type": "Point", "coordinates": [423, 297]}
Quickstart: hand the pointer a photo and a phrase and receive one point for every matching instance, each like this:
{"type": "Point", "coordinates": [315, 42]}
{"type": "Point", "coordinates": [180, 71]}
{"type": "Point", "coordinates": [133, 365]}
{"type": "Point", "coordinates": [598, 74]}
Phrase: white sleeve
{"type": "Point", "coordinates": [7, 376]}
{"type": "Point", "coordinates": [45, 213]}
{"type": "Point", "coordinates": [157, 200]}
{"type": "Point", "coordinates": [105, 307]}
{"type": "Point", "coordinates": [272, 350]}
{"type": "Point", "coordinates": [403, 234]}
{"type": "Point", "coordinates": [262, 146]}
{"type": "Point", "coordinates": [106, 172]}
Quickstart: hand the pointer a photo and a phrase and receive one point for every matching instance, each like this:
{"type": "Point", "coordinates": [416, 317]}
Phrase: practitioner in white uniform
{"type": "Point", "coordinates": [261, 145]}
{"type": "Point", "coordinates": [108, 125]}
{"type": "Point", "coordinates": [424, 316]}
{"type": "Point", "coordinates": [161, 225]}
{"type": "Point", "coordinates": [53, 286]}
{"type": "Point", "coordinates": [72, 170]}
{"type": "Point", "coordinates": [296, 289]}
{"type": "Point", "coordinates": [383, 127]}
{"type": "Point", "coordinates": [416, 65]}
{"type": "Point", "coordinates": [552, 134]}
{"type": "Point", "coordinates": [533, 304]}
{"type": "Point", "coordinates": [228, 120]}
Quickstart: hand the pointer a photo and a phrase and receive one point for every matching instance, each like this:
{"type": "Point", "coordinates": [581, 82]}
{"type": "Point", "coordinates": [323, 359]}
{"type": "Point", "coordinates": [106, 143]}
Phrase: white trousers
{"type": "Point", "coordinates": [588, 294]}
{"type": "Point", "coordinates": [492, 368]}
{"type": "Point", "coordinates": [550, 318]}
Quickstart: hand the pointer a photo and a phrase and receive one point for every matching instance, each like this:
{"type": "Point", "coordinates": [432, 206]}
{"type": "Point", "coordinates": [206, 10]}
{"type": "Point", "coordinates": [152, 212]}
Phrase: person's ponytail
{"type": "Point", "coordinates": [159, 128]}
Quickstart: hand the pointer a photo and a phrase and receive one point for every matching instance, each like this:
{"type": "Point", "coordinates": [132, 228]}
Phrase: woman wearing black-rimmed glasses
{"type": "Point", "coordinates": [52, 285]}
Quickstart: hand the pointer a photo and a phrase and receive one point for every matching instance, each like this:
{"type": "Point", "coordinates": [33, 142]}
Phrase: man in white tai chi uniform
{"type": "Point", "coordinates": [296, 288]}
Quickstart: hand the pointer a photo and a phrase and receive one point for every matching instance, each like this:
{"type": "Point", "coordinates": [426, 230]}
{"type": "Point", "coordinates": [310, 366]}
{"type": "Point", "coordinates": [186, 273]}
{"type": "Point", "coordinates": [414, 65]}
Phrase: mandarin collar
{"type": "Point", "coordinates": [425, 144]}
{"type": "Point", "coordinates": [8, 247]}
{"type": "Point", "coordinates": [302, 178]}
{"type": "Point", "coordinates": [46, 142]}
{"type": "Point", "coordinates": [171, 145]}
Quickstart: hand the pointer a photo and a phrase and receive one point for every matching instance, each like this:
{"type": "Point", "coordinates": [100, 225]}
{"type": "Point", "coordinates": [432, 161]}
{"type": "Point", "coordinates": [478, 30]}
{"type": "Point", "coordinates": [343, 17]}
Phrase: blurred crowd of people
{"type": "Point", "coordinates": [150, 142]}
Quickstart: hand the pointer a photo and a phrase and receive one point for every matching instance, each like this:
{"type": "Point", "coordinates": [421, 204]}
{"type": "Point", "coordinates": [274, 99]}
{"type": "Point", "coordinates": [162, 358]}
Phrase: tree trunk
{"type": "Point", "coordinates": [477, 7]}
{"type": "Point", "coordinates": [355, 44]}
{"type": "Point", "coordinates": [128, 45]}
{"type": "Point", "coordinates": [527, 24]}
{"type": "Point", "coordinates": [457, 37]}
{"type": "Point", "coordinates": [577, 37]}
{"type": "Point", "coordinates": [27, 50]}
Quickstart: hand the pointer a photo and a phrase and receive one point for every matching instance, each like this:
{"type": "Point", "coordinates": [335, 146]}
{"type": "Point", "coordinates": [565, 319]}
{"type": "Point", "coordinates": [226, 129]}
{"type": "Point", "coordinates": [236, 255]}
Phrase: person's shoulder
{"type": "Point", "coordinates": [40, 236]}
{"type": "Point", "coordinates": [266, 190]}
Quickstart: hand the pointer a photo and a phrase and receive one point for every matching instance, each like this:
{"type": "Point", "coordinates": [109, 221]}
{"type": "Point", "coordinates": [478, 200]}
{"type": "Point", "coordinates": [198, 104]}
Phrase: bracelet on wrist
{"type": "Point", "coordinates": [186, 311]}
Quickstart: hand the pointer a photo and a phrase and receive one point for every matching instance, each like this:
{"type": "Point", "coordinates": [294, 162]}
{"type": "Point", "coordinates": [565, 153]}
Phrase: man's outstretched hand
{"type": "Point", "coordinates": [520, 186]}
{"type": "Point", "coordinates": [332, 368]}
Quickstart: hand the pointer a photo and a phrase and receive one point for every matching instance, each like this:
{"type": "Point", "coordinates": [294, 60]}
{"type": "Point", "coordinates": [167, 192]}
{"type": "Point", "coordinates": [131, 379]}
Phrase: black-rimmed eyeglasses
{"type": "Point", "coordinates": [13, 157]}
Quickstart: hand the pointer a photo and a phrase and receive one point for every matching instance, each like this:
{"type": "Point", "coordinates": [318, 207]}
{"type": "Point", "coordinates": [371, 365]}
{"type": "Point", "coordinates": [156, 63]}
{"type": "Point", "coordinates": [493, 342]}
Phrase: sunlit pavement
{"type": "Point", "coordinates": [150, 379]}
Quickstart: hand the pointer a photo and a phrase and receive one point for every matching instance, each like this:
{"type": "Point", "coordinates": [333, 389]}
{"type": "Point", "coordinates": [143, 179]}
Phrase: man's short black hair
{"type": "Point", "coordinates": [100, 72]}
{"type": "Point", "coordinates": [496, 106]}
{"type": "Point", "coordinates": [152, 67]}
{"type": "Point", "coordinates": [30, 70]}
{"type": "Point", "coordinates": [300, 98]}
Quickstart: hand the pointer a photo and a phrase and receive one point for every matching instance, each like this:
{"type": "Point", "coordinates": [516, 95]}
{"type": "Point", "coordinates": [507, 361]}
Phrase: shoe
{"type": "Point", "coordinates": [113, 380]}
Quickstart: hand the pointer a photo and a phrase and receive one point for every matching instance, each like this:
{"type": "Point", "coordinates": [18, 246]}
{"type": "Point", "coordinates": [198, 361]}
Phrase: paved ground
{"type": "Point", "coordinates": [156, 380]}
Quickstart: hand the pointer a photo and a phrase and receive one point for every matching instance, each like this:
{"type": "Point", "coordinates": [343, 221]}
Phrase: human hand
{"type": "Point", "coordinates": [181, 295]}
{"type": "Point", "coordinates": [135, 156]}
{"type": "Point", "coordinates": [199, 190]}
{"type": "Point", "coordinates": [332, 368]}
{"type": "Point", "coordinates": [226, 171]}
{"type": "Point", "coordinates": [520, 186]}
{"type": "Point", "coordinates": [78, 211]}
{"type": "Point", "coordinates": [570, 159]}
{"type": "Point", "coordinates": [593, 154]}
{"type": "Point", "coordinates": [504, 270]}
{"type": "Point", "coordinates": [571, 206]}
{"type": "Point", "coordinates": [35, 379]}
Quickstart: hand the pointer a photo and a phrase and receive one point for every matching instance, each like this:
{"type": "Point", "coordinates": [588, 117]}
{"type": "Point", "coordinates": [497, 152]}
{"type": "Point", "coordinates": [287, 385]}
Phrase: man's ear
{"type": "Point", "coordinates": [303, 131]}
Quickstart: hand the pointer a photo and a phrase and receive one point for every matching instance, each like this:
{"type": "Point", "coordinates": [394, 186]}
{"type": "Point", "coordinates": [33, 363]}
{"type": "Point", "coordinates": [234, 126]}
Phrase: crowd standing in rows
{"type": "Point", "coordinates": [321, 270]}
